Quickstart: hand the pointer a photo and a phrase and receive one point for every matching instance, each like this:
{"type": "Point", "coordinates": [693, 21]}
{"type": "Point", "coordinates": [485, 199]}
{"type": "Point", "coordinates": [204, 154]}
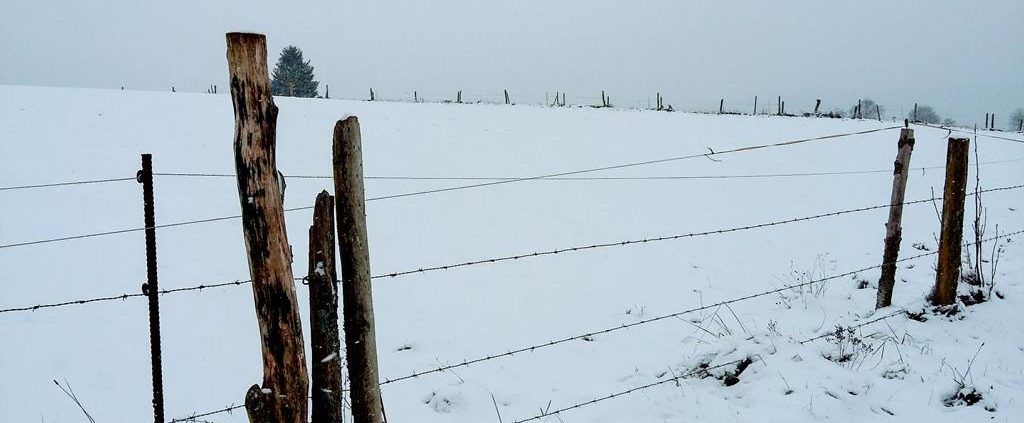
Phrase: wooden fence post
{"type": "Point", "coordinates": [894, 228]}
{"type": "Point", "coordinates": [817, 105]}
{"type": "Point", "coordinates": [780, 106]}
{"type": "Point", "coordinates": [325, 347]}
{"type": "Point", "coordinates": [986, 120]}
{"type": "Point", "coordinates": [878, 111]}
{"type": "Point", "coordinates": [721, 106]}
{"type": "Point", "coordinates": [947, 273]}
{"type": "Point", "coordinates": [604, 103]}
{"type": "Point", "coordinates": [357, 295]}
{"type": "Point", "coordinates": [506, 98]}
{"type": "Point", "coordinates": [283, 397]}
{"type": "Point", "coordinates": [915, 112]}
{"type": "Point", "coordinates": [755, 105]}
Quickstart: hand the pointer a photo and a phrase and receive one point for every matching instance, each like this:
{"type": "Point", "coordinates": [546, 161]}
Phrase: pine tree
{"type": "Point", "coordinates": [293, 76]}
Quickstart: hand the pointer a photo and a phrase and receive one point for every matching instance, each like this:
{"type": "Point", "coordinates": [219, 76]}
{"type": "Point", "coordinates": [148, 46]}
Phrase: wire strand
{"type": "Point", "coordinates": [59, 184]}
{"type": "Point", "coordinates": [661, 238]}
{"type": "Point", "coordinates": [533, 348]}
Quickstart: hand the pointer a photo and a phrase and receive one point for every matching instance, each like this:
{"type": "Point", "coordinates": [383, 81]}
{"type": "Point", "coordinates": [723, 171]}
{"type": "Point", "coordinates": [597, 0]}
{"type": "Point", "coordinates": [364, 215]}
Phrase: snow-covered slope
{"type": "Point", "coordinates": [210, 337]}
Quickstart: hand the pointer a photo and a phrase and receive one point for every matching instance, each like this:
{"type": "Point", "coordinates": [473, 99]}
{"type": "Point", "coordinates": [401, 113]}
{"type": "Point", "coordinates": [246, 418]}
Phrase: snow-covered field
{"type": "Point", "coordinates": [210, 338]}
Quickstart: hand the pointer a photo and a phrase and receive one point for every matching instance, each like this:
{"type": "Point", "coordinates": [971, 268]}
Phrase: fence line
{"type": "Point", "coordinates": [532, 348]}
{"type": "Point", "coordinates": [504, 178]}
{"type": "Point", "coordinates": [665, 238]}
{"type": "Point", "coordinates": [625, 326]}
{"type": "Point", "coordinates": [975, 133]}
{"type": "Point", "coordinates": [522, 256]}
{"type": "Point", "coordinates": [479, 185]}
{"type": "Point", "coordinates": [698, 370]}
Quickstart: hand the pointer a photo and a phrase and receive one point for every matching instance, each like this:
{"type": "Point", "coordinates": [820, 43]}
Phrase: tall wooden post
{"type": "Point", "coordinates": [894, 228]}
{"type": "Point", "coordinates": [357, 293]}
{"type": "Point", "coordinates": [151, 288]}
{"type": "Point", "coordinates": [947, 274]}
{"type": "Point", "coordinates": [283, 395]}
{"type": "Point", "coordinates": [325, 347]}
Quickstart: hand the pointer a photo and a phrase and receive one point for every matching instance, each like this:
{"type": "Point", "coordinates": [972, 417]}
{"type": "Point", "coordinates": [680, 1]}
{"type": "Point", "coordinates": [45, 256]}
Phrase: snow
{"type": "Point", "coordinates": [210, 338]}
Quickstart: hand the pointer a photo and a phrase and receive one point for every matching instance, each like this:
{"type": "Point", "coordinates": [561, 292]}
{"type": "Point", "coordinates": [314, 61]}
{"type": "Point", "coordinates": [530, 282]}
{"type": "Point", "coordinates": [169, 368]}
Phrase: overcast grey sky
{"type": "Point", "coordinates": [965, 58]}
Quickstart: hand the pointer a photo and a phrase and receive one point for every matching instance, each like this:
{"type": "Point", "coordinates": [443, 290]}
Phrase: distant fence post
{"type": "Point", "coordinates": [357, 295]}
{"type": "Point", "coordinates": [947, 274]}
{"type": "Point", "coordinates": [506, 98]}
{"type": "Point", "coordinates": [986, 120]}
{"type": "Point", "coordinates": [604, 102]}
{"type": "Point", "coordinates": [915, 112]}
{"type": "Point", "coordinates": [325, 346]}
{"type": "Point", "coordinates": [893, 228]}
{"type": "Point", "coordinates": [151, 288]}
{"type": "Point", "coordinates": [755, 105]}
{"type": "Point", "coordinates": [780, 106]}
{"type": "Point", "coordinates": [817, 105]}
{"type": "Point", "coordinates": [878, 111]}
{"type": "Point", "coordinates": [373, 96]}
{"type": "Point", "coordinates": [283, 395]}
{"type": "Point", "coordinates": [721, 106]}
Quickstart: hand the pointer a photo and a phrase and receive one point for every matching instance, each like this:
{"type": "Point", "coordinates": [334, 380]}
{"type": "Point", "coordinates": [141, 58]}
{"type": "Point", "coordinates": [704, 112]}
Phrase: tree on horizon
{"type": "Point", "coordinates": [293, 76]}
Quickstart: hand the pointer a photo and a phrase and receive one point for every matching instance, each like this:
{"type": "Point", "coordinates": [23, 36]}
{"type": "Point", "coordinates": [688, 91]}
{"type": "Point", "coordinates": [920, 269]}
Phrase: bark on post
{"type": "Point", "coordinates": [283, 395]}
{"type": "Point", "coordinates": [357, 295]}
{"type": "Point", "coordinates": [894, 228]}
{"type": "Point", "coordinates": [947, 274]}
{"type": "Point", "coordinates": [325, 346]}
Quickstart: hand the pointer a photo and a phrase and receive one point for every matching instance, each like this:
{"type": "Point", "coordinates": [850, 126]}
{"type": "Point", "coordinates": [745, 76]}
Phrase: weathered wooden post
{"type": "Point", "coordinates": [283, 395]}
{"type": "Point", "coordinates": [357, 294]}
{"type": "Point", "coordinates": [151, 288]}
{"type": "Point", "coordinates": [325, 347]}
{"type": "Point", "coordinates": [894, 228]}
{"type": "Point", "coordinates": [817, 105]}
{"type": "Point", "coordinates": [947, 273]}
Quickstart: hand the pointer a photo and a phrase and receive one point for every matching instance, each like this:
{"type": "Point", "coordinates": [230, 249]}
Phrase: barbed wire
{"type": "Point", "coordinates": [535, 347]}
{"type": "Point", "coordinates": [664, 238]}
{"type": "Point", "coordinates": [122, 296]}
{"type": "Point", "coordinates": [698, 370]}
{"type": "Point", "coordinates": [603, 178]}
{"type": "Point", "coordinates": [193, 417]}
{"type": "Point", "coordinates": [58, 184]}
{"type": "Point", "coordinates": [520, 256]}
{"type": "Point", "coordinates": [975, 133]}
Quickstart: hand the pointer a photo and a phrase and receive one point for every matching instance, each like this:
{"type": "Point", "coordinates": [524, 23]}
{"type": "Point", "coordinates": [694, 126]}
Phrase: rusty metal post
{"type": "Point", "coordinates": [151, 288]}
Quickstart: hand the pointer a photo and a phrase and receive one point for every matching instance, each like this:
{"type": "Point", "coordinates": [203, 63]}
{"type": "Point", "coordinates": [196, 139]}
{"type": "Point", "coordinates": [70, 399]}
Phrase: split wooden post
{"type": "Point", "coordinates": [894, 228]}
{"type": "Point", "coordinates": [357, 295]}
{"type": "Point", "coordinates": [283, 395]}
{"type": "Point", "coordinates": [325, 346]}
{"type": "Point", "coordinates": [947, 274]}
